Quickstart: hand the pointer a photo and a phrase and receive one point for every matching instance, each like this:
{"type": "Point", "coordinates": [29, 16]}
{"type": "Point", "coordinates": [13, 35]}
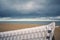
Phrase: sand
{"type": "Point", "coordinates": [9, 27]}
{"type": "Point", "coordinates": [57, 33]}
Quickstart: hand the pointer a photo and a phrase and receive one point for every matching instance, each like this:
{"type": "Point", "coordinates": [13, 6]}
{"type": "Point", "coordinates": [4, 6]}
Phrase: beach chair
{"type": "Point", "coordinates": [44, 32]}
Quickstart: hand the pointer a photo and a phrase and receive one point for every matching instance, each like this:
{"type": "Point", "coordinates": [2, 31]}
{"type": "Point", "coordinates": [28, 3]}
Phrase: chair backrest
{"type": "Point", "coordinates": [44, 32]}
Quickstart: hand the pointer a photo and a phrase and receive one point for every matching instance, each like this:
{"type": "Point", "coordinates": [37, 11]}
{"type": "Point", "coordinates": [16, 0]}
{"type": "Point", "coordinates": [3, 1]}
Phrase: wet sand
{"type": "Point", "coordinates": [9, 27]}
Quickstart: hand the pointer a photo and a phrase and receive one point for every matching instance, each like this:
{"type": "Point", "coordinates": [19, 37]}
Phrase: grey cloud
{"type": "Point", "coordinates": [41, 8]}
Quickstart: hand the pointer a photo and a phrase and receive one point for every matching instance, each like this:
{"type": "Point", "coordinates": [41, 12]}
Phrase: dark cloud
{"type": "Point", "coordinates": [51, 8]}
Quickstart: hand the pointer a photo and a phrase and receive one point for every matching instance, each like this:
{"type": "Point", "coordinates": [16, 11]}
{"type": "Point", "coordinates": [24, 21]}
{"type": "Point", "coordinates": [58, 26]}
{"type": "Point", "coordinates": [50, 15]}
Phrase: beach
{"type": "Point", "coordinates": [10, 27]}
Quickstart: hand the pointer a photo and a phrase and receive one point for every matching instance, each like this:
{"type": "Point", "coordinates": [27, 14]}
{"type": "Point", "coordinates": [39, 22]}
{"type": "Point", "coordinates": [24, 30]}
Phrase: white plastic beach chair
{"type": "Point", "coordinates": [45, 32]}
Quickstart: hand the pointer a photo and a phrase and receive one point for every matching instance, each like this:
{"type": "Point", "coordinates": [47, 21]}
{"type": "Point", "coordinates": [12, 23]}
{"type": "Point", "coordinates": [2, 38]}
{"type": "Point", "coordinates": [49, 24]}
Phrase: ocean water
{"type": "Point", "coordinates": [31, 22]}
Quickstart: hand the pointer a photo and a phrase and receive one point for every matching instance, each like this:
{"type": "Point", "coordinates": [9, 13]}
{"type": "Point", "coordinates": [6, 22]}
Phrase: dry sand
{"type": "Point", "coordinates": [57, 33]}
{"type": "Point", "coordinates": [8, 27]}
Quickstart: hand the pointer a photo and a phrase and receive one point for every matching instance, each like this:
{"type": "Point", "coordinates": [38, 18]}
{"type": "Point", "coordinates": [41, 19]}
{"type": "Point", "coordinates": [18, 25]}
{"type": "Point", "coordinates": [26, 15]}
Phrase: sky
{"type": "Point", "coordinates": [37, 10]}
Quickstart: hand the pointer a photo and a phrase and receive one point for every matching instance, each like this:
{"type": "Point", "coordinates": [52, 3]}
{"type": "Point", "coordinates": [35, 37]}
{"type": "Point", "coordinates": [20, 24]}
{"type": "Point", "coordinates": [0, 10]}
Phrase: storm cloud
{"type": "Point", "coordinates": [29, 8]}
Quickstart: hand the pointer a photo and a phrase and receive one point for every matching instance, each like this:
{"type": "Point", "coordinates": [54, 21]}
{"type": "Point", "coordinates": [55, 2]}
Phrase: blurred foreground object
{"type": "Point", "coordinates": [44, 32]}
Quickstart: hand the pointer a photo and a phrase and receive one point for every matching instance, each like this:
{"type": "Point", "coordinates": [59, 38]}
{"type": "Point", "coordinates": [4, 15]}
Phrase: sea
{"type": "Point", "coordinates": [31, 22]}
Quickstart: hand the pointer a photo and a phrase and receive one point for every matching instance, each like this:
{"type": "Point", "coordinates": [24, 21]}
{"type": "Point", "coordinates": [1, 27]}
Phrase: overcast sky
{"type": "Point", "coordinates": [45, 9]}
